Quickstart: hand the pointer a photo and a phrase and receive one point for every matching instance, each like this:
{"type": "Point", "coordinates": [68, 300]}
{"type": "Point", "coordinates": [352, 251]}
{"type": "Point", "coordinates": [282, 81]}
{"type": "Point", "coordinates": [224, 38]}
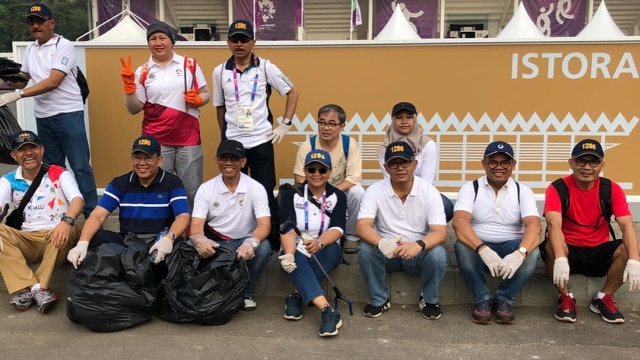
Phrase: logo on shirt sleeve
{"type": "Point", "coordinates": [64, 60]}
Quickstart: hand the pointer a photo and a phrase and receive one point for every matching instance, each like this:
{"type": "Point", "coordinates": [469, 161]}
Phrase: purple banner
{"type": "Point", "coordinates": [557, 17]}
{"type": "Point", "coordinates": [273, 20]}
{"type": "Point", "coordinates": [299, 13]}
{"type": "Point", "coordinates": [421, 14]}
{"type": "Point", "coordinates": [146, 9]}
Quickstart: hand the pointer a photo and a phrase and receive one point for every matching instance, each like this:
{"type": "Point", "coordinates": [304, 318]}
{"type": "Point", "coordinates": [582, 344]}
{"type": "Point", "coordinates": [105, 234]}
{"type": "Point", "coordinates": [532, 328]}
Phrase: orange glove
{"type": "Point", "coordinates": [193, 98]}
{"type": "Point", "coordinates": [128, 77]}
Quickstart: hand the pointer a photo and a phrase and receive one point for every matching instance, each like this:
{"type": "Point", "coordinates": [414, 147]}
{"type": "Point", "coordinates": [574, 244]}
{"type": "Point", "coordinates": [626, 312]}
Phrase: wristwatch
{"type": "Point", "coordinates": [288, 123]}
{"type": "Point", "coordinates": [172, 236]}
{"type": "Point", "coordinates": [523, 250]}
{"type": "Point", "coordinates": [21, 93]}
{"type": "Point", "coordinates": [421, 243]}
{"type": "Point", "coordinates": [320, 244]}
{"type": "Point", "coordinates": [69, 220]}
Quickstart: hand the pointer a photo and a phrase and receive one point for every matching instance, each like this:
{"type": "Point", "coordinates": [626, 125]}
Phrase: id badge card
{"type": "Point", "coordinates": [245, 118]}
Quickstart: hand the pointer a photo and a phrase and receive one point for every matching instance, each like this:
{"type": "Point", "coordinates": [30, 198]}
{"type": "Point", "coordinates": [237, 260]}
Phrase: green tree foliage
{"type": "Point", "coordinates": [71, 20]}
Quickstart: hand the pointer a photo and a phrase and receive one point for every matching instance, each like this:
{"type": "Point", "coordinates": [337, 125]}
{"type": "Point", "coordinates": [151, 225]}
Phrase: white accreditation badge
{"type": "Point", "coordinates": [245, 118]}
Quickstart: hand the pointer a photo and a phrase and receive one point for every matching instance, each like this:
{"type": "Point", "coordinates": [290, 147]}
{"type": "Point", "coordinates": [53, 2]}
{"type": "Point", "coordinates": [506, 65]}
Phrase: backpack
{"type": "Point", "coordinates": [476, 185]}
{"type": "Point", "coordinates": [605, 201]}
{"type": "Point", "coordinates": [80, 79]}
{"type": "Point", "coordinates": [345, 144]}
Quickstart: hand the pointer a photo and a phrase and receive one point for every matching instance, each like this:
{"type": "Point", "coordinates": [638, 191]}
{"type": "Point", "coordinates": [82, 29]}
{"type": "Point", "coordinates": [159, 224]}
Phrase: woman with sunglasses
{"type": "Point", "coordinates": [169, 89]}
{"type": "Point", "coordinates": [319, 211]}
{"type": "Point", "coordinates": [404, 128]}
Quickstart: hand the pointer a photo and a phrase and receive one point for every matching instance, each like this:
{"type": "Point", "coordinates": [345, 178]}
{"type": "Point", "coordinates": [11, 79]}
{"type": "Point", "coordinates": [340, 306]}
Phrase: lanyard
{"type": "Point", "coordinates": [235, 84]}
{"type": "Point", "coordinates": [306, 211]}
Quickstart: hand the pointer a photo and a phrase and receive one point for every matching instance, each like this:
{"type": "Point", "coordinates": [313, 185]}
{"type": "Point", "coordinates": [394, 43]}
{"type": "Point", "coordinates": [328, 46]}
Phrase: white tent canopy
{"type": "Point", "coordinates": [520, 26]}
{"type": "Point", "coordinates": [397, 28]}
{"type": "Point", "coordinates": [601, 25]}
{"type": "Point", "coordinates": [127, 30]}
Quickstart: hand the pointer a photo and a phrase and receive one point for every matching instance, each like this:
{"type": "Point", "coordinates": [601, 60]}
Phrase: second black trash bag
{"type": "Point", "coordinates": [114, 289]}
{"type": "Point", "coordinates": [205, 291]}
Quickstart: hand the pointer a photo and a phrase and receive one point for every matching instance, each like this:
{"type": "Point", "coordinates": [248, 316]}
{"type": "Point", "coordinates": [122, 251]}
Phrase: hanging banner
{"type": "Point", "coordinates": [557, 17]}
{"type": "Point", "coordinates": [146, 9]}
{"type": "Point", "coordinates": [421, 14]}
{"type": "Point", "coordinates": [356, 13]}
{"type": "Point", "coordinates": [299, 13]}
{"type": "Point", "coordinates": [272, 20]}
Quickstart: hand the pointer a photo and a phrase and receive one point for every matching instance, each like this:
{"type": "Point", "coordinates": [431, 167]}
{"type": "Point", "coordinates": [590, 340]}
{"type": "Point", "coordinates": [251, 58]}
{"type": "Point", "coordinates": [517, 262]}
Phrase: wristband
{"type": "Point", "coordinates": [422, 244]}
{"type": "Point", "coordinates": [480, 246]}
{"type": "Point", "coordinates": [287, 122]}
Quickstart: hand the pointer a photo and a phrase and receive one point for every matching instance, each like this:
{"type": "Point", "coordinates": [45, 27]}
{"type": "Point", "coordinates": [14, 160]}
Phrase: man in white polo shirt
{"type": "Point", "coordinates": [233, 208]}
{"type": "Point", "coordinates": [402, 227]}
{"type": "Point", "coordinates": [498, 228]}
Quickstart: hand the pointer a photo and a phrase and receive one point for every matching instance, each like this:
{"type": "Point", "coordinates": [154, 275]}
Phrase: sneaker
{"type": "Point", "coordinates": [22, 300]}
{"type": "Point", "coordinates": [606, 307]}
{"type": "Point", "coordinates": [374, 311]}
{"type": "Point", "coordinates": [249, 304]}
{"type": "Point", "coordinates": [45, 299]}
{"type": "Point", "coordinates": [503, 312]}
{"type": "Point", "coordinates": [350, 246]}
{"type": "Point", "coordinates": [293, 307]}
{"type": "Point", "coordinates": [431, 311]}
{"type": "Point", "coordinates": [567, 309]}
{"type": "Point", "coordinates": [330, 322]}
{"type": "Point", "coordinates": [481, 313]}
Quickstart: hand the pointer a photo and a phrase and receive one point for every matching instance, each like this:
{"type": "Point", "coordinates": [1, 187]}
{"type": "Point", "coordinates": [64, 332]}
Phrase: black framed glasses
{"type": "Point", "coordinates": [503, 164]}
{"type": "Point", "coordinates": [330, 125]}
{"type": "Point", "coordinates": [321, 170]}
{"type": "Point", "coordinates": [593, 162]}
{"type": "Point", "coordinates": [396, 164]}
{"type": "Point", "coordinates": [36, 20]}
{"type": "Point", "coordinates": [240, 39]}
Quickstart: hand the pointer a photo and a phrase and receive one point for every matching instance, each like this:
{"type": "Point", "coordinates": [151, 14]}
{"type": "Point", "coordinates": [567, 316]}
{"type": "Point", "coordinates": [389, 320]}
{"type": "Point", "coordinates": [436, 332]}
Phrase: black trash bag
{"type": "Point", "coordinates": [114, 288]}
{"type": "Point", "coordinates": [205, 291]}
{"type": "Point", "coordinates": [8, 128]}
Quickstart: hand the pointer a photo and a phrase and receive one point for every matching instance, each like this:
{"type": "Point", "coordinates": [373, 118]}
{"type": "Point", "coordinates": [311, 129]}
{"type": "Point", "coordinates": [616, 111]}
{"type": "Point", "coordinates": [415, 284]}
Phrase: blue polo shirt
{"type": "Point", "coordinates": [148, 209]}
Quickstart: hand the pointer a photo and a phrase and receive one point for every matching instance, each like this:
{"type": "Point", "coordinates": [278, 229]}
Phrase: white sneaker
{"type": "Point", "coordinates": [249, 304]}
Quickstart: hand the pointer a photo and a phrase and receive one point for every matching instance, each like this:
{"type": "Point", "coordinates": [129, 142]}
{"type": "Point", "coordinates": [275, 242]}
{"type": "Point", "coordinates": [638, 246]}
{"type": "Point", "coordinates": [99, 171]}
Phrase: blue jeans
{"type": "Point", "coordinates": [473, 271]}
{"type": "Point", "coordinates": [429, 265]}
{"type": "Point", "coordinates": [64, 136]}
{"type": "Point", "coordinates": [448, 207]}
{"type": "Point", "coordinates": [307, 275]}
{"type": "Point", "coordinates": [256, 265]}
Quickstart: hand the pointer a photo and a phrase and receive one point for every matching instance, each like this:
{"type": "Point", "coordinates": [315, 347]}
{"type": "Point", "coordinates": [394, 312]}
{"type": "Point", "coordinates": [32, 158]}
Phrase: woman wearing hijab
{"type": "Point", "coordinates": [404, 128]}
{"type": "Point", "coordinates": [169, 89]}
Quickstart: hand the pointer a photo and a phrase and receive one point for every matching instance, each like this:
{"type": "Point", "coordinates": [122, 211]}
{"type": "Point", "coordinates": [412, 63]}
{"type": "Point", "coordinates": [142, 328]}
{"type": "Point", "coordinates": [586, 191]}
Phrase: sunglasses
{"type": "Point", "coordinates": [241, 39]}
{"type": "Point", "coordinates": [36, 20]}
{"type": "Point", "coordinates": [322, 170]}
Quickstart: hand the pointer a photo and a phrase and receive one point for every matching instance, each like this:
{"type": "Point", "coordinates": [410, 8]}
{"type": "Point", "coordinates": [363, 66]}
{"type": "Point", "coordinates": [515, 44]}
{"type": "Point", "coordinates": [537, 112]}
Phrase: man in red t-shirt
{"type": "Point", "coordinates": [578, 241]}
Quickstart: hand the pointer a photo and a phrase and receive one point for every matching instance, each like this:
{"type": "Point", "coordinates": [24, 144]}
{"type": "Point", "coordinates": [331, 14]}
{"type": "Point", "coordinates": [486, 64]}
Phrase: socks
{"type": "Point", "coordinates": [36, 287]}
{"type": "Point", "coordinates": [599, 295]}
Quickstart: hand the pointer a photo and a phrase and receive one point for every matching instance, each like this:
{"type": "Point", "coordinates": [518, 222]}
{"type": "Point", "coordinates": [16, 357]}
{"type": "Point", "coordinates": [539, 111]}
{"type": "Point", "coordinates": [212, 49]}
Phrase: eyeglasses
{"type": "Point", "coordinates": [396, 164]}
{"type": "Point", "coordinates": [503, 164]}
{"type": "Point", "coordinates": [240, 39]}
{"type": "Point", "coordinates": [322, 170]}
{"type": "Point", "coordinates": [330, 125]}
{"type": "Point", "coordinates": [593, 162]}
{"type": "Point", "coordinates": [36, 20]}
{"type": "Point", "coordinates": [138, 159]}
{"type": "Point", "coordinates": [225, 158]}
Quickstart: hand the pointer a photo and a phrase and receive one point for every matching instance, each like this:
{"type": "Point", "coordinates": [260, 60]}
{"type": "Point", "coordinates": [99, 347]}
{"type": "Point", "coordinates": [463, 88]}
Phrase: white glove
{"type": "Point", "coordinates": [1, 245]}
{"type": "Point", "coordinates": [388, 246]}
{"type": "Point", "coordinates": [205, 246]}
{"type": "Point", "coordinates": [77, 254]}
{"type": "Point", "coordinates": [510, 265]}
{"type": "Point", "coordinates": [561, 271]}
{"type": "Point", "coordinates": [492, 260]}
{"type": "Point", "coordinates": [632, 273]}
{"type": "Point", "coordinates": [8, 98]}
{"type": "Point", "coordinates": [246, 250]}
{"type": "Point", "coordinates": [276, 135]}
{"type": "Point", "coordinates": [164, 247]}
{"type": "Point", "coordinates": [288, 262]}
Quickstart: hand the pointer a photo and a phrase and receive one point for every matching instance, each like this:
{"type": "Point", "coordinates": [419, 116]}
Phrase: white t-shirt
{"type": "Point", "coordinates": [497, 217]}
{"type": "Point", "coordinates": [231, 214]}
{"type": "Point", "coordinates": [411, 219]}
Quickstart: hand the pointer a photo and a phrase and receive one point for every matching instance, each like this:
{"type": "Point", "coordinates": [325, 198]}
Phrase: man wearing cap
{"type": "Point", "coordinates": [50, 62]}
{"type": "Point", "coordinates": [47, 228]}
{"type": "Point", "coordinates": [402, 227]}
{"type": "Point", "coordinates": [578, 240]}
{"type": "Point", "coordinates": [150, 200]}
{"type": "Point", "coordinates": [233, 208]}
{"type": "Point", "coordinates": [498, 228]}
{"type": "Point", "coordinates": [242, 86]}
{"type": "Point", "coordinates": [346, 164]}
{"type": "Point", "coordinates": [169, 90]}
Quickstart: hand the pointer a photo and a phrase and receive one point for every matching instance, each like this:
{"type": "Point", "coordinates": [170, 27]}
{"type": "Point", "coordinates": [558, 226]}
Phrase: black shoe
{"type": "Point", "coordinates": [502, 311]}
{"type": "Point", "coordinates": [606, 307]}
{"type": "Point", "coordinates": [429, 311]}
{"type": "Point", "coordinates": [374, 311]}
{"type": "Point", "coordinates": [330, 322]}
{"type": "Point", "coordinates": [482, 313]}
{"type": "Point", "coordinates": [567, 309]}
{"type": "Point", "coordinates": [293, 307]}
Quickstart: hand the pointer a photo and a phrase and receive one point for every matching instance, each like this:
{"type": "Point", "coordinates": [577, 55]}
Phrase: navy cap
{"type": "Point", "coordinates": [164, 28]}
{"type": "Point", "coordinates": [147, 144]}
{"type": "Point", "coordinates": [587, 146]}
{"type": "Point", "coordinates": [241, 27]}
{"type": "Point", "coordinates": [498, 147]}
{"type": "Point", "coordinates": [231, 147]}
{"type": "Point", "coordinates": [406, 106]}
{"type": "Point", "coordinates": [40, 10]}
{"type": "Point", "coordinates": [24, 137]}
{"type": "Point", "coordinates": [398, 149]}
{"type": "Point", "coordinates": [319, 156]}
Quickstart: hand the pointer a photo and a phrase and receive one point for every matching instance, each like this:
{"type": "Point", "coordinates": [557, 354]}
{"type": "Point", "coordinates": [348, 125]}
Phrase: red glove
{"type": "Point", "coordinates": [128, 77]}
{"type": "Point", "coordinates": [193, 98]}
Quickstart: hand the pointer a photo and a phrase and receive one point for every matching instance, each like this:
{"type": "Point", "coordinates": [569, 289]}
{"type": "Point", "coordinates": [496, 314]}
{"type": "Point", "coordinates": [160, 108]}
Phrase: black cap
{"type": "Point", "coordinates": [403, 106]}
{"type": "Point", "coordinates": [498, 147]}
{"type": "Point", "coordinates": [24, 137]}
{"type": "Point", "coordinates": [147, 144]}
{"type": "Point", "coordinates": [40, 10]}
{"type": "Point", "coordinates": [231, 147]}
{"type": "Point", "coordinates": [587, 146]}
{"type": "Point", "coordinates": [164, 28]}
{"type": "Point", "coordinates": [398, 149]}
{"type": "Point", "coordinates": [241, 27]}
